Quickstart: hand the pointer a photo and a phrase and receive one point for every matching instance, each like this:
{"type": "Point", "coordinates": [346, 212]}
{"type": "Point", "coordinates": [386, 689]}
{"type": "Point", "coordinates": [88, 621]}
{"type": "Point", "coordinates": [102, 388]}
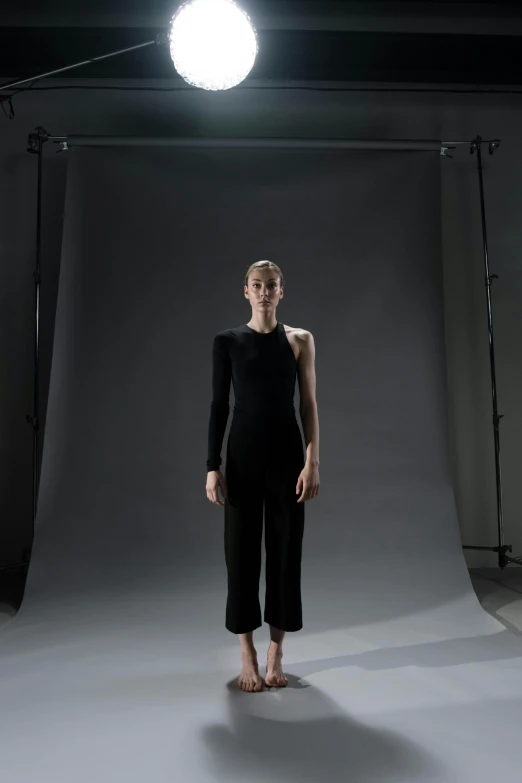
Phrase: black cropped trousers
{"type": "Point", "coordinates": [262, 469]}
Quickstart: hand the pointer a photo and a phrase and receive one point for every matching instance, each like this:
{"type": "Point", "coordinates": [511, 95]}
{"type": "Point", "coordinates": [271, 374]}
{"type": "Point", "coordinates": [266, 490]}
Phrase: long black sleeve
{"type": "Point", "coordinates": [220, 406]}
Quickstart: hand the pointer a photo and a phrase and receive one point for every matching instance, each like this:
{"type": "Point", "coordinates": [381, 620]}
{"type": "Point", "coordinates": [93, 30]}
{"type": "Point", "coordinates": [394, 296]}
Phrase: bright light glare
{"type": "Point", "coordinates": [212, 43]}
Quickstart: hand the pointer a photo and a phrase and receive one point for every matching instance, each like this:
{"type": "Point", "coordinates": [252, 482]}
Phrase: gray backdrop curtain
{"type": "Point", "coordinates": [156, 243]}
{"type": "Point", "coordinates": [115, 665]}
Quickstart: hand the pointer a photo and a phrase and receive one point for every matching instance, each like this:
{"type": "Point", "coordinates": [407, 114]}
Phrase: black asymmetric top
{"type": "Point", "coordinates": [263, 370]}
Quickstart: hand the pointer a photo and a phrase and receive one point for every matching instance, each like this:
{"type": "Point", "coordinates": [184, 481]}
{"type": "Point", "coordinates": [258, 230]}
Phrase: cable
{"type": "Point", "coordinates": [273, 87]}
{"type": "Point", "coordinates": [480, 90]}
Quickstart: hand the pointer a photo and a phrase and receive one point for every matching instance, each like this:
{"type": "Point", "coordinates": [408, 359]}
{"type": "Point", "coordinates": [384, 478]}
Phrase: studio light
{"type": "Point", "coordinates": [212, 43]}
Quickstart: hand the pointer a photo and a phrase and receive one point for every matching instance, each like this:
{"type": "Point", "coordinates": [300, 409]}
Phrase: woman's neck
{"type": "Point", "coordinates": [263, 325]}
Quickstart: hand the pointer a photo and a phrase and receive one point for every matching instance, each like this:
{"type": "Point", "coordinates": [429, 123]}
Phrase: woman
{"type": "Point", "coordinates": [265, 464]}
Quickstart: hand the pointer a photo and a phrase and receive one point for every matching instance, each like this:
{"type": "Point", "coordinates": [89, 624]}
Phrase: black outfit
{"type": "Point", "coordinates": [265, 456]}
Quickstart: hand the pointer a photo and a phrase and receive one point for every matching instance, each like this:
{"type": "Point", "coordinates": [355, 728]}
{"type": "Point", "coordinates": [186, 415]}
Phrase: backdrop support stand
{"type": "Point", "coordinates": [35, 146]}
{"type": "Point", "coordinates": [502, 548]}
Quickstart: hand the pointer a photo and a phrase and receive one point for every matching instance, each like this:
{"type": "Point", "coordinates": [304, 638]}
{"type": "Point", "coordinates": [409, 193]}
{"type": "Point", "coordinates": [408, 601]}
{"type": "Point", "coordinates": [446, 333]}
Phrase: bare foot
{"type": "Point", "coordinates": [274, 668]}
{"type": "Point", "coordinates": [249, 679]}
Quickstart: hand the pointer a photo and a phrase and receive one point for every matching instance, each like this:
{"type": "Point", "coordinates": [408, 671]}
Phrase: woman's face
{"type": "Point", "coordinates": [263, 291]}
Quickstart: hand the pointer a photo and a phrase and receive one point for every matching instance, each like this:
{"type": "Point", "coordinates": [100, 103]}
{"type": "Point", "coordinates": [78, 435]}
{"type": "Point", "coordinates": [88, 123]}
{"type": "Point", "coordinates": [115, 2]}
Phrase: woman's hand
{"type": "Point", "coordinates": [215, 481]}
{"type": "Point", "coordinates": [308, 483]}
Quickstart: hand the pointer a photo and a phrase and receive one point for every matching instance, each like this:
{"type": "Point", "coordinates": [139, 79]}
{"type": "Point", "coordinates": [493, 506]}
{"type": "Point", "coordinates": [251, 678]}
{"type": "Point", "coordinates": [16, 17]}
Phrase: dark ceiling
{"type": "Point", "coordinates": [444, 42]}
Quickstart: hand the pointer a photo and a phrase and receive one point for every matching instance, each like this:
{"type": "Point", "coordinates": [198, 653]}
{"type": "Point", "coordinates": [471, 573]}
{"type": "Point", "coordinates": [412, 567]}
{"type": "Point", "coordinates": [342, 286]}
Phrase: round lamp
{"type": "Point", "coordinates": [212, 43]}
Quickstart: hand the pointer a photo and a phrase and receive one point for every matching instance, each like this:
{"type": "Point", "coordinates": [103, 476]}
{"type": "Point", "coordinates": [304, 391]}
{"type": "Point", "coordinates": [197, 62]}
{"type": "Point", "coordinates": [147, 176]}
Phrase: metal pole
{"type": "Point", "coordinates": [36, 400]}
{"type": "Point", "coordinates": [251, 142]}
{"type": "Point", "coordinates": [36, 141]}
{"type": "Point", "coordinates": [502, 548]}
{"type": "Point", "coordinates": [256, 142]}
{"type": "Point", "coordinates": [159, 39]}
{"type": "Point", "coordinates": [496, 417]}
{"type": "Point", "coordinates": [35, 146]}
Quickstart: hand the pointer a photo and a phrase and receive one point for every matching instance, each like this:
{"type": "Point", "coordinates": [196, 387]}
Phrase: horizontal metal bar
{"type": "Point", "coordinates": [271, 143]}
{"type": "Point", "coordinates": [484, 141]}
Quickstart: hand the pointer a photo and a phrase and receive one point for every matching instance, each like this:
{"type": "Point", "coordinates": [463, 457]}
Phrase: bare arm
{"type": "Point", "coordinates": [308, 402]}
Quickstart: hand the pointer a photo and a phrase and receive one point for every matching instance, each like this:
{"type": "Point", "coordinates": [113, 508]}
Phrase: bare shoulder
{"type": "Point", "coordinates": [298, 338]}
{"type": "Point", "coordinates": [298, 331]}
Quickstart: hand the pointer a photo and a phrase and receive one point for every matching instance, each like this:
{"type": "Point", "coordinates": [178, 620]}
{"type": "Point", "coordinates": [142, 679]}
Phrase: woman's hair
{"type": "Point", "coordinates": [264, 265]}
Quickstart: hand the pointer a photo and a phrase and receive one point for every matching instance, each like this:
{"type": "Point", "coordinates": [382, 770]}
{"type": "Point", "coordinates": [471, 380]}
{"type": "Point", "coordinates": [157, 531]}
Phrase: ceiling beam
{"type": "Point", "coordinates": [458, 18]}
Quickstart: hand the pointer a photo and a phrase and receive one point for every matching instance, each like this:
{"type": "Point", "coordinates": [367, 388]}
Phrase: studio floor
{"type": "Point", "coordinates": [134, 687]}
{"type": "Point", "coordinates": [499, 593]}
